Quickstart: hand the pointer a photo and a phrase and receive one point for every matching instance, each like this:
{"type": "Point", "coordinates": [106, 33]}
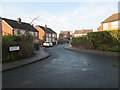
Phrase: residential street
{"type": "Point", "coordinates": [65, 69]}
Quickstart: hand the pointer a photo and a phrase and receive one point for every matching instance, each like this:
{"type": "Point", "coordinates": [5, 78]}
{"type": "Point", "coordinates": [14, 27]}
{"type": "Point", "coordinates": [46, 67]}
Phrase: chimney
{"type": "Point", "coordinates": [33, 25]}
{"type": "Point", "coordinates": [19, 19]}
{"type": "Point", "coordinates": [45, 26]}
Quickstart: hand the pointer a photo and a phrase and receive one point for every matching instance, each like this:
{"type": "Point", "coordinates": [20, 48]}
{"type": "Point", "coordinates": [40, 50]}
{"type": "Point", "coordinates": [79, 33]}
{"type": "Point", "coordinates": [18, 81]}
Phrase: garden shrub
{"type": "Point", "coordinates": [103, 40]}
{"type": "Point", "coordinates": [24, 42]}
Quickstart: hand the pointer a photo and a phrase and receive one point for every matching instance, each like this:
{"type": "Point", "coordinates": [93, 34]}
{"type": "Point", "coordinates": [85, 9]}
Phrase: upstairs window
{"type": "Point", "coordinates": [36, 34]}
{"type": "Point", "coordinates": [114, 25]}
{"type": "Point", "coordinates": [46, 34]}
{"type": "Point", "coordinates": [105, 26]}
{"type": "Point", "coordinates": [53, 35]}
{"type": "Point", "coordinates": [65, 35]}
{"type": "Point", "coordinates": [49, 35]}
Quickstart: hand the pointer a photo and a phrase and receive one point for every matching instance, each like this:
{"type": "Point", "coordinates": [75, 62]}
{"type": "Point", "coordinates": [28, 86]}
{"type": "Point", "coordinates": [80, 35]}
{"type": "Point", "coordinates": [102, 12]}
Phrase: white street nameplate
{"type": "Point", "coordinates": [14, 48]}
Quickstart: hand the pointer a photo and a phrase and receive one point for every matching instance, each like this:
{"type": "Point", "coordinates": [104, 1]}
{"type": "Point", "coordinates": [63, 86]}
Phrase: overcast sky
{"type": "Point", "coordinates": [60, 15]}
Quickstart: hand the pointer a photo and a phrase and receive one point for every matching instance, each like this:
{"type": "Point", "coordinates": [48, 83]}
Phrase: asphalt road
{"type": "Point", "coordinates": [65, 69]}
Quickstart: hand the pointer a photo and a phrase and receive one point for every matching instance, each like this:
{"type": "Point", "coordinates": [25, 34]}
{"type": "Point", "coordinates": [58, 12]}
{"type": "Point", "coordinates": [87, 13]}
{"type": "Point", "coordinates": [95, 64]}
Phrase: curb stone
{"type": "Point", "coordinates": [92, 51]}
{"type": "Point", "coordinates": [24, 62]}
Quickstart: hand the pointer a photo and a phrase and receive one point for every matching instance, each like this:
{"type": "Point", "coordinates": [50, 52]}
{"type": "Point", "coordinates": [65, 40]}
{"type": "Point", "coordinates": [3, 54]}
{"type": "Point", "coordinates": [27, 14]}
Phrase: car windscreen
{"type": "Point", "coordinates": [47, 42]}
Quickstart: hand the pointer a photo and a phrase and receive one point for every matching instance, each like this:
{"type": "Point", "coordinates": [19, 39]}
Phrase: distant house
{"type": "Point", "coordinates": [46, 34]}
{"type": "Point", "coordinates": [16, 27]}
{"type": "Point", "coordinates": [111, 23]}
{"type": "Point", "coordinates": [80, 33]}
{"type": "Point", "coordinates": [99, 28]}
{"type": "Point", "coordinates": [64, 35]}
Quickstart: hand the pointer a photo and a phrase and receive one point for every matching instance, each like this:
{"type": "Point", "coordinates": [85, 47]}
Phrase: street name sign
{"type": "Point", "coordinates": [14, 48]}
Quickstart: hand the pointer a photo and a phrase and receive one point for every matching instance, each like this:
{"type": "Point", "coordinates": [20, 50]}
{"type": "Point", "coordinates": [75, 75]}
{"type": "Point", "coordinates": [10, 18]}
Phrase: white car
{"type": "Point", "coordinates": [48, 43]}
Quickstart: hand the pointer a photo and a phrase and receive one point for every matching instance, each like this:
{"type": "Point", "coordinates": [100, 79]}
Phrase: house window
{"type": "Point", "coordinates": [53, 40]}
{"type": "Point", "coordinates": [36, 34]}
{"type": "Point", "coordinates": [22, 32]}
{"type": "Point", "coordinates": [49, 35]}
{"type": "Point", "coordinates": [46, 35]}
{"type": "Point", "coordinates": [53, 35]}
{"type": "Point", "coordinates": [15, 32]}
{"type": "Point", "coordinates": [48, 39]}
{"type": "Point", "coordinates": [65, 36]}
{"type": "Point", "coordinates": [105, 26]}
{"type": "Point", "coordinates": [32, 33]}
{"type": "Point", "coordinates": [19, 32]}
{"type": "Point", "coordinates": [114, 24]}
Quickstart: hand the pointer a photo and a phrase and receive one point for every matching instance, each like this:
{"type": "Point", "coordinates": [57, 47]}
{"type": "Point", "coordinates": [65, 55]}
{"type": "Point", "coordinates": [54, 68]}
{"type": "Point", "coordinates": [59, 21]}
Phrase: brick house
{"type": "Point", "coordinates": [111, 23]}
{"type": "Point", "coordinates": [16, 27]}
{"type": "Point", "coordinates": [46, 34]}
{"type": "Point", "coordinates": [99, 28]}
{"type": "Point", "coordinates": [64, 35]}
{"type": "Point", "coordinates": [80, 33]}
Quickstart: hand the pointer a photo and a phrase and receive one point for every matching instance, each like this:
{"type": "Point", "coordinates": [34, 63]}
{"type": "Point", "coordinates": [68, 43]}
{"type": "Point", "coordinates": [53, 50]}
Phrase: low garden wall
{"type": "Point", "coordinates": [104, 40]}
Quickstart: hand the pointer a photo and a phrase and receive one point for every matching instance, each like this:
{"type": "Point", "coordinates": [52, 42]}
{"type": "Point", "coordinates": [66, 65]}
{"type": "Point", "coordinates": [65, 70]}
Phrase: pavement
{"type": "Point", "coordinates": [65, 69]}
{"type": "Point", "coordinates": [40, 55]}
{"type": "Point", "coordinates": [69, 47]}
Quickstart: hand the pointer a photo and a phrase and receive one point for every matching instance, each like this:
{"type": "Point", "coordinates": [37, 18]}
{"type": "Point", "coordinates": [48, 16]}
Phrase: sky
{"type": "Point", "coordinates": [60, 16]}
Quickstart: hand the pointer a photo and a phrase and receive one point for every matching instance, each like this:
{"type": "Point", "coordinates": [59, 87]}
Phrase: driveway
{"type": "Point", "coordinates": [65, 69]}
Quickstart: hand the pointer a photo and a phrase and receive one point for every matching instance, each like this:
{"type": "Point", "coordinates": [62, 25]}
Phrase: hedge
{"type": "Point", "coordinates": [24, 42]}
{"type": "Point", "coordinates": [103, 40]}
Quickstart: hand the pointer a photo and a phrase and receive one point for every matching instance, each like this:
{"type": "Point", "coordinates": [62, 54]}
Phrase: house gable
{"type": "Point", "coordinates": [41, 32]}
{"type": "Point", "coordinates": [7, 24]}
{"type": "Point", "coordinates": [79, 33]}
{"type": "Point", "coordinates": [6, 29]}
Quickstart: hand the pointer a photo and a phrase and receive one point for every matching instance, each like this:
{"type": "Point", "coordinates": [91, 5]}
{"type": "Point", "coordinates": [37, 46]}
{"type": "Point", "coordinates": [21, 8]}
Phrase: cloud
{"type": "Point", "coordinates": [88, 15]}
{"type": "Point", "coordinates": [47, 16]}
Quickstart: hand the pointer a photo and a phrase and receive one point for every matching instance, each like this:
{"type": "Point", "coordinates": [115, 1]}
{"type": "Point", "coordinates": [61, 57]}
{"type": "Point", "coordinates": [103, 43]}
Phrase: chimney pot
{"type": "Point", "coordinates": [33, 25]}
{"type": "Point", "coordinates": [19, 19]}
{"type": "Point", "coordinates": [45, 26]}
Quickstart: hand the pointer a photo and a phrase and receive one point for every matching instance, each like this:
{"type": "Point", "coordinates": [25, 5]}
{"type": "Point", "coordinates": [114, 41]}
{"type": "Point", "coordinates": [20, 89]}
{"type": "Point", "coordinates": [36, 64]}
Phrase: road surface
{"type": "Point", "coordinates": [65, 69]}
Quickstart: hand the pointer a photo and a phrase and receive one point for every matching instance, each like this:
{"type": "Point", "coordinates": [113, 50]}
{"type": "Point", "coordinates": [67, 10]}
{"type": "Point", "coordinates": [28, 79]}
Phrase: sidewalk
{"type": "Point", "coordinates": [92, 51]}
{"type": "Point", "coordinates": [40, 54]}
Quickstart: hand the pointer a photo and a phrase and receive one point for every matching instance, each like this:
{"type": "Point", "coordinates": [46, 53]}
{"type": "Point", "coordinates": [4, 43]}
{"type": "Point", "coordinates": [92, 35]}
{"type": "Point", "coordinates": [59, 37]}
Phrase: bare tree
{"type": "Point", "coordinates": [26, 32]}
{"type": "Point", "coordinates": [34, 19]}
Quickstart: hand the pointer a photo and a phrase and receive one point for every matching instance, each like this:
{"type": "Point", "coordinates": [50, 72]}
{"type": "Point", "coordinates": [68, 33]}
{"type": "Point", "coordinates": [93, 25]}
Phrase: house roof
{"type": "Point", "coordinates": [47, 30]}
{"type": "Point", "coordinates": [64, 32]}
{"type": "Point", "coordinates": [51, 30]}
{"type": "Point", "coordinates": [113, 17]}
{"type": "Point", "coordinates": [83, 31]}
{"type": "Point", "coordinates": [20, 25]}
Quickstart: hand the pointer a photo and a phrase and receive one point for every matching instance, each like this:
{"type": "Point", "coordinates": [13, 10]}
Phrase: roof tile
{"type": "Point", "coordinates": [20, 25]}
{"type": "Point", "coordinates": [113, 17]}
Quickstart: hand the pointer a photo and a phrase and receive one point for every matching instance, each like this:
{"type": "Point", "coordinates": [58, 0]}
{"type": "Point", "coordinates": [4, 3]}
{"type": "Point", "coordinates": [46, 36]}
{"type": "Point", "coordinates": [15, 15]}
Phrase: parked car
{"type": "Point", "coordinates": [48, 43]}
